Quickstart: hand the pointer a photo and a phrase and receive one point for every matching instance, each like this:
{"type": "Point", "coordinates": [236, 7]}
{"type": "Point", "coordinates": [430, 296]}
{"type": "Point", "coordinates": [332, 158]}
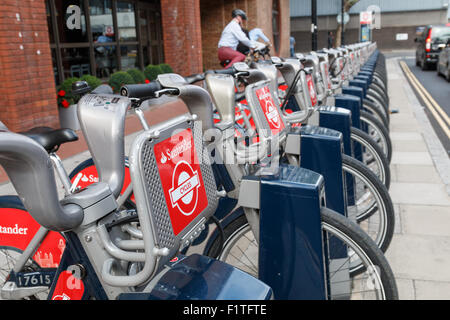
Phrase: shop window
{"type": "Point", "coordinates": [75, 62]}
{"type": "Point", "coordinates": [100, 37]}
{"type": "Point", "coordinates": [129, 57]}
{"type": "Point", "coordinates": [101, 18]}
{"type": "Point", "coordinates": [105, 61]}
{"type": "Point", "coordinates": [71, 21]}
{"type": "Point", "coordinates": [126, 21]}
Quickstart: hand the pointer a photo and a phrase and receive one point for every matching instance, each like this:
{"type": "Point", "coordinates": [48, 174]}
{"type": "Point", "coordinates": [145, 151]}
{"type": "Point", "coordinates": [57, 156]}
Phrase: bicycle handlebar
{"type": "Point", "coordinates": [140, 90]}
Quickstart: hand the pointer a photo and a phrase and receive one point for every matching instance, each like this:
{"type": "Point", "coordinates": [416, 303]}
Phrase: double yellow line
{"type": "Point", "coordinates": [441, 117]}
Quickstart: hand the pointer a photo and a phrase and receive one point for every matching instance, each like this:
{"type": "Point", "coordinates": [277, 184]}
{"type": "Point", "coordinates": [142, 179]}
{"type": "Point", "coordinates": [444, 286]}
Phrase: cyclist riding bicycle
{"type": "Point", "coordinates": [230, 38]}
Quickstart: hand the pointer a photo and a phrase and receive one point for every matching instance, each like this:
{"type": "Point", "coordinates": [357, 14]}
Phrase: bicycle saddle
{"type": "Point", "coordinates": [51, 138]}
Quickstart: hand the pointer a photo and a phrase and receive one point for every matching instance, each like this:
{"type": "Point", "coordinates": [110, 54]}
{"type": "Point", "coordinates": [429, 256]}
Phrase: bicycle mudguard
{"type": "Point", "coordinates": [198, 277]}
{"type": "Point", "coordinates": [291, 258]}
{"type": "Point", "coordinates": [17, 229]}
{"type": "Point", "coordinates": [352, 103]}
{"type": "Point", "coordinates": [360, 84]}
{"type": "Point", "coordinates": [367, 74]}
{"type": "Point", "coordinates": [339, 119]}
{"type": "Point", "coordinates": [321, 151]}
{"type": "Point", "coordinates": [354, 91]}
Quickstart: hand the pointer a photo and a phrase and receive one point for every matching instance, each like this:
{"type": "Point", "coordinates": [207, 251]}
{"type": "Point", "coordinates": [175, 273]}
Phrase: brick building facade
{"type": "Point", "coordinates": [33, 63]}
{"type": "Point", "coordinates": [27, 86]}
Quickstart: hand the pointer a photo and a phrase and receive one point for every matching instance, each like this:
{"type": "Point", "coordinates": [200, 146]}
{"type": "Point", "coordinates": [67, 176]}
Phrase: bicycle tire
{"type": "Point", "coordinates": [380, 92]}
{"type": "Point", "coordinates": [383, 202]}
{"type": "Point", "coordinates": [239, 228]}
{"type": "Point", "coordinates": [377, 154]}
{"type": "Point", "coordinates": [377, 111]}
{"type": "Point", "coordinates": [373, 252]}
{"type": "Point", "coordinates": [376, 99]}
{"type": "Point", "coordinates": [384, 140]}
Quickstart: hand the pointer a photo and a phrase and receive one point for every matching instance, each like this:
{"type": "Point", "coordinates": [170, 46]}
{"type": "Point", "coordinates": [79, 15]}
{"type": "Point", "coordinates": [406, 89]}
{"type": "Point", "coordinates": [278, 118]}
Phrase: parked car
{"type": "Point", "coordinates": [430, 43]}
{"type": "Point", "coordinates": [443, 66]}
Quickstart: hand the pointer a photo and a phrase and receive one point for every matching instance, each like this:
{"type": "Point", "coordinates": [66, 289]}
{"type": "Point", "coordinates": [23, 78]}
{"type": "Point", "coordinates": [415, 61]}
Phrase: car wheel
{"type": "Point", "coordinates": [447, 76]}
{"type": "Point", "coordinates": [424, 65]}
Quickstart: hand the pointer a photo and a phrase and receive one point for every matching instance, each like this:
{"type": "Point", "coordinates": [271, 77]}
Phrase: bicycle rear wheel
{"type": "Point", "coordinates": [8, 259]}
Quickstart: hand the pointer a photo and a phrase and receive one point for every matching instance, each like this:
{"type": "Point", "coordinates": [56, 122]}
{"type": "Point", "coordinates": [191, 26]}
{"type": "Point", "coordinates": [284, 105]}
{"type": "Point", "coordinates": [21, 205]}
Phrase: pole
{"type": "Point", "coordinates": [314, 24]}
{"type": "Point", "coordinates": [342, 23]}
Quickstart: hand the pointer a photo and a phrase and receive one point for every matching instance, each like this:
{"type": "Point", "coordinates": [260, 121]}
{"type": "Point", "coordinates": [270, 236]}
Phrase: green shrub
{"type": "Point", "coordinates": [120, 78]}
{"type": "Point", "coordinates": [138, 75]}
{"type": "Point", "coordinates": [92, 81]}
{"type": "Point", "coordinates": [151, 72]}
{"type": "Point", "coordinates": [166, 68]}
{"type": "Point", "coordinates": [65, 96]}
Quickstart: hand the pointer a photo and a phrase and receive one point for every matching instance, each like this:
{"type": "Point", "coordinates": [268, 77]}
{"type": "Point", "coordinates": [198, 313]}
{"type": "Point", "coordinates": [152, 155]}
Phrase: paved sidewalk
{"type": "Point", "coordinates": [420, 250]}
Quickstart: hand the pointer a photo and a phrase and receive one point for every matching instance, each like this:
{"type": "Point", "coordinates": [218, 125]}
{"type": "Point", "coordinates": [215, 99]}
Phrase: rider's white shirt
{"type": "Point", "coordinates": [231, 36]}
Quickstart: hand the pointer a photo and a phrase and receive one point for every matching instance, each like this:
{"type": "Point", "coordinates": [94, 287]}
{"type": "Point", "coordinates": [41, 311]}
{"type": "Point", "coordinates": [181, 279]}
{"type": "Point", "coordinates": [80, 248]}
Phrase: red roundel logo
{"type": "Point", "coordinates": [269, 109]}
{"type": "Point", "coordinates": [184, 191]}
{"type": "Point", "coordinates": [182, 182]}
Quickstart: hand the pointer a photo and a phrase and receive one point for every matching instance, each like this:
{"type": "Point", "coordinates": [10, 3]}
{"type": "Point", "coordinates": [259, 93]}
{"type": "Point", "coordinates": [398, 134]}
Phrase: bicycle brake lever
{"type": "Point", "coordinates": [171, 91]}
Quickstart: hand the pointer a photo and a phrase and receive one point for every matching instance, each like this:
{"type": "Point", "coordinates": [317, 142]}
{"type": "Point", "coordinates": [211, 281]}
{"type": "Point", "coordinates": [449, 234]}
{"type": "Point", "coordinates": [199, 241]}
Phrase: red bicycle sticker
{"type": "Point", "coordinates": [17, 228]}
{"type": "Point", "coordinates": [89, 175]}
{"type": "Point", "coordinates": [182, 182]}
{"type": "Point", "coordinates": [327, 75]}
{"type": "Point", "coordinates": [68, 287]}
{"type": "Point", "coordinates": [341, 65]}
{"type": "Point", "coordinates": [270, 110]}
{"type": "Point", "coordinates": [311, 89]}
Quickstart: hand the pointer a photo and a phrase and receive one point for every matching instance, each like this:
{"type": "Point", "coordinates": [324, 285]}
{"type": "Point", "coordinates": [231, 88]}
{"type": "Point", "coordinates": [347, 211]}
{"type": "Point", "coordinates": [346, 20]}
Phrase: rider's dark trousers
{"type": "Point", "coordinates": [226, 53]}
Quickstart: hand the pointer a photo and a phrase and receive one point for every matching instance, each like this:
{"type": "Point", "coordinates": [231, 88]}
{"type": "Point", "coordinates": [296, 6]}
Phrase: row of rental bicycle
{"type": "Point", "coordinates": [274, 185]}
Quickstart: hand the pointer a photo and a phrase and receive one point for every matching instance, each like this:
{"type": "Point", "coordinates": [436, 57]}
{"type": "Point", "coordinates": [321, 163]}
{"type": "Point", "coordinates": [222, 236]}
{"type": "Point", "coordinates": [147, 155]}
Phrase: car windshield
{"type": "Point", "coordinates": [440, 33]}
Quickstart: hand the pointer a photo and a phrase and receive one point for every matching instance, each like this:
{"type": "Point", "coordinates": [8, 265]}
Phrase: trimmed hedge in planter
{"type": "Point", "coordinates": [138, 75]}
{"type": "Point", "coordinates": [166, 68]}
{"type": "Point", "coordinates": [92, 81]}
{"type": "Point", "coordinates": [120, 78]}
{"type": "Point", "coordinates": [151, 72]}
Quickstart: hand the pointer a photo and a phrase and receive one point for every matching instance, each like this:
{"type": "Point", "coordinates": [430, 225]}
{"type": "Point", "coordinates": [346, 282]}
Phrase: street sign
{"type": "Point", "coordinates": [346, 18]}
{"type": "Point", "coordinates": [401, 36]}
{"type": "Point", "coordinates": [365, 17]}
